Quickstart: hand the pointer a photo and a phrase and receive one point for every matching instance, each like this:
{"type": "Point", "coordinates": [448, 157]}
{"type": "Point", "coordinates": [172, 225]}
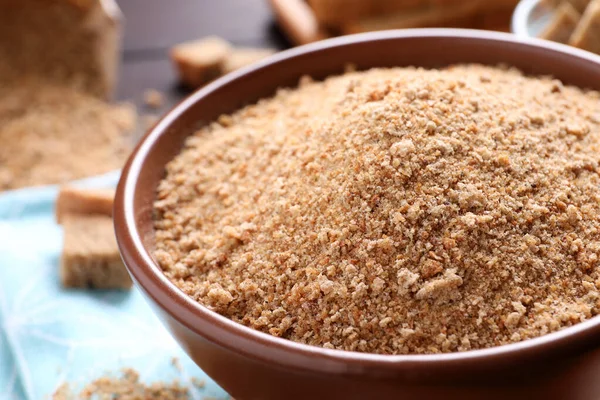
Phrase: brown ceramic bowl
{"type": "Point", "coordinates": [253, 365]}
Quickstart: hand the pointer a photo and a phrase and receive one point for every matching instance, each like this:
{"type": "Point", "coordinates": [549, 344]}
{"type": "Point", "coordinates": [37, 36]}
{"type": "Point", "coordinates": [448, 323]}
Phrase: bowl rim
{"type": "Point", "coordinates": [252, 343]}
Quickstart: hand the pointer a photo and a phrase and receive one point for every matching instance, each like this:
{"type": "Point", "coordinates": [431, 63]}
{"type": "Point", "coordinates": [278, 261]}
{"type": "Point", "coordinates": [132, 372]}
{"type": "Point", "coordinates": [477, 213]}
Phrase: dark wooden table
{"type": "Point", "coordinates": [153, 26]}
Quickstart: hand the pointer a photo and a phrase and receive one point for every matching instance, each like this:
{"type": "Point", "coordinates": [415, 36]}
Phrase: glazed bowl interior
{"type": "Point", "coordinates": [424, 48]}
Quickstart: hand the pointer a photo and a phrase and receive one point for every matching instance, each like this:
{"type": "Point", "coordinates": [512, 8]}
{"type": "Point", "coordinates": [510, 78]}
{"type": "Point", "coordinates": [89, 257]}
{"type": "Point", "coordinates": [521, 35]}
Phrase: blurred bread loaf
{"type": "Point", "coordinates": [72, 42]}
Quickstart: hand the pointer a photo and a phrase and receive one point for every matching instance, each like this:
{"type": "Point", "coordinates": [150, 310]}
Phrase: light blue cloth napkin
{"type": "Point", "coordinates": [49, 336]}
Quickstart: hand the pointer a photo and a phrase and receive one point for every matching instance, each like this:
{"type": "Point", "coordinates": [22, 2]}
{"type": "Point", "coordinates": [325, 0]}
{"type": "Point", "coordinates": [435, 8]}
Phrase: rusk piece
{"type": "Point", "coordinates": [90, 257]}
{"type": "Point", "coordinates": [200, 61]}
{"type": "Point", "coordinates": [72, 200]}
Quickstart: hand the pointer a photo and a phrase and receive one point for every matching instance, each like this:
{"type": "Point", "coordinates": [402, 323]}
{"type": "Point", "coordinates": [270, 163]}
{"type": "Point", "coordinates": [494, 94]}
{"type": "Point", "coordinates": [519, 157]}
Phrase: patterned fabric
{"type": "Point", "coordinates": [49, 336]}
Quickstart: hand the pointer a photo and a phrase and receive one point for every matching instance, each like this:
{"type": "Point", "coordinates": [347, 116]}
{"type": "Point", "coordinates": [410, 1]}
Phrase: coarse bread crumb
{"type": "Point", "coordinates": [72, 200]}
{"type": "Point", "coordinates": [393, 211]}
{"type": "Point", "coordinates": [126, 387]}
{"type": "Point", "coordinates": [153, 98]}
{"type": "Point", "coordinates": [54, 134]}
{"type": "Point", "coordinates": [200, 61]}
{"type": "Point", "coordinates": [197, 382]}
{"type": "Point", "coordinates": [90, 257]}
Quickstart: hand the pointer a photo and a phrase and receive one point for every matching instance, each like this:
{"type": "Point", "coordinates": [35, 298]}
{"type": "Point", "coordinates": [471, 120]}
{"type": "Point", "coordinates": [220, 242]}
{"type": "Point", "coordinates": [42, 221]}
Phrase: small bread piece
{"type": "Point", "coordinates": [425, 17]}
{"type": "Point", "coordinates": [153, 98]}
{"type": "Point", "coordinates": [587, 33]}
{"type": "Point", "coordinates": [241, 57]}
{"type": "Point", "coordinates": [298, 21]}
{"type": "Point", "coordinates": [73, 200]}
{"type": "Point", "coordinates": [562, 25]}
{"type": "Point", "coordinates": [90, 257]}
{"type": "Point", "coordinates": [200, 61]}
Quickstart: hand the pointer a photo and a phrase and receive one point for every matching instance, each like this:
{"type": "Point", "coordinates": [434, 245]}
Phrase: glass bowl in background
{"type": "Point", "coordinates": [530, 17]}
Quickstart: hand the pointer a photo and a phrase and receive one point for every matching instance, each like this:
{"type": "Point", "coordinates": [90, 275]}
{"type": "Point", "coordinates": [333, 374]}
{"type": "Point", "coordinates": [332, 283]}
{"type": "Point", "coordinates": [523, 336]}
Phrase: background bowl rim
{"type": "Point", "coordinates": [253, 344]}
{"type": "Point", "coordinates": [519, 24]}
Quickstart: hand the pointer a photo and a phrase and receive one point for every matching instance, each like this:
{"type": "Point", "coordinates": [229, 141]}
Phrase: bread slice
{"type": "Point", "coordinates": [200, 61]}
{"type": "Point", "coordinates": [587, 33]}
{"type": "Point", "coordinates": [73, 200]}
{"type": "Point", "coordinates": [240, 57]}
{"type": "Point", "coordinates": [90, 256]}
{"type": "Point", "coordinates": [562, 25]}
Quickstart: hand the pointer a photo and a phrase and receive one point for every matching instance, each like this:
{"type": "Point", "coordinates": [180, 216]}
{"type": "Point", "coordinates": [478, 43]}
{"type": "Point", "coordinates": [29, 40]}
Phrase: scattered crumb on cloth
{"type": "Point", "coordinates": [125, 387]}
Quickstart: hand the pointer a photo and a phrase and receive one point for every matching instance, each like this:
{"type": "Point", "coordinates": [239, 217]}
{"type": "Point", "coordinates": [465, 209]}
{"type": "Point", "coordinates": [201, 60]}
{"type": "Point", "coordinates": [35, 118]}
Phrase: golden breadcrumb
{"type": "Point", "coordinates": [393, 211]}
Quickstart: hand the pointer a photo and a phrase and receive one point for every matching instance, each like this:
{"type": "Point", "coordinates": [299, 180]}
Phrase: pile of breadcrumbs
{"type": "Point", "coordinates": [393, 211]}
{"type": "Point", "coordinates": [51, 133]}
